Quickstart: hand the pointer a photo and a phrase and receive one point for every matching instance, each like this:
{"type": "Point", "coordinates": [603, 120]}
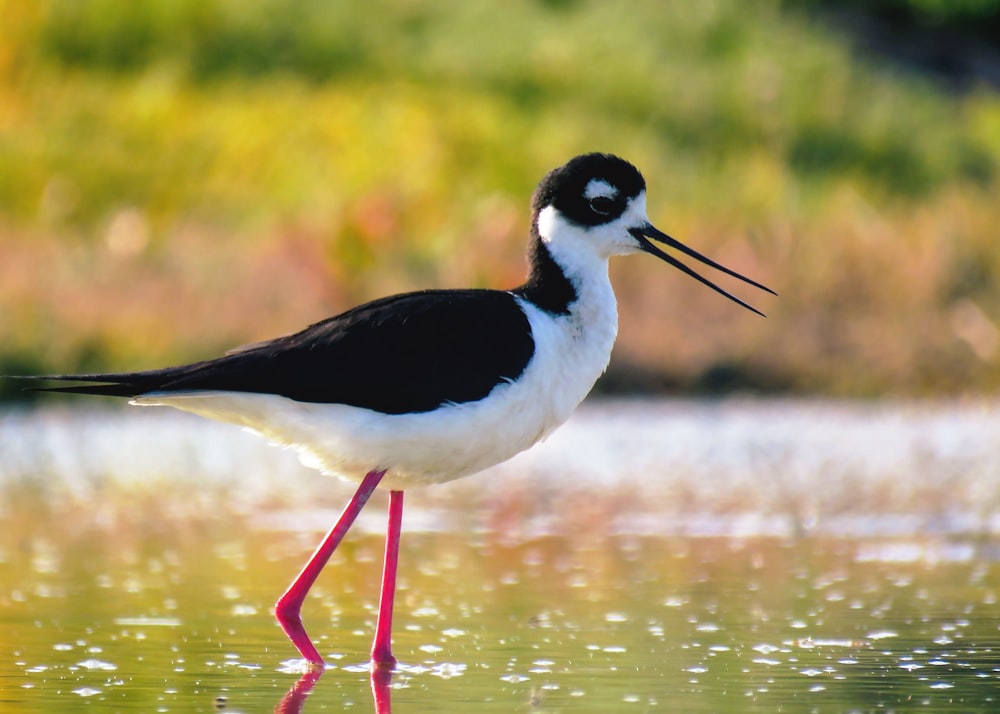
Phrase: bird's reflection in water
{"type": "Point", "coordinates": [295, 698]}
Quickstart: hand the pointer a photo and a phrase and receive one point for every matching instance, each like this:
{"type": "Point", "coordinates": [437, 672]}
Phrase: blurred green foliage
{"type": "Point", "coordinates": [980, 18]}
{"type": "Point", "coordinates": [177, 176]}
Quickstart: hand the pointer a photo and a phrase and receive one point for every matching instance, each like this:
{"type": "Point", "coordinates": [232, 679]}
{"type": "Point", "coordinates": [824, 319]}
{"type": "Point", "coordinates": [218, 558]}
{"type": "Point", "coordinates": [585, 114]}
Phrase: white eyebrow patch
{"type": "Point", "coordinates": [599, 187]}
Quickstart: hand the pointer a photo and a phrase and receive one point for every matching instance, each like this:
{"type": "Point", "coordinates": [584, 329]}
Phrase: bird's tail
{"type": "Point", "coordinates": [122, 384]}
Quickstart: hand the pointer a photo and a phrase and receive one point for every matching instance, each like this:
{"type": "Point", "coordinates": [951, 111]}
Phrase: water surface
{"type": "Point", "coordinates": [695, 557]}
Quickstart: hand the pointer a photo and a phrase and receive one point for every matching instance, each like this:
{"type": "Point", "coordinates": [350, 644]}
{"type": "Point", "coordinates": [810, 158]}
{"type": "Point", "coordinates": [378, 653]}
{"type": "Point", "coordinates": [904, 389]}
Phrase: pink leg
{"type": "Point", "coordinates": [382, 646]}
{"type": "Point", "coordinates": [382, 690]}
{"type": "Point", "coordinates": [289, 606]}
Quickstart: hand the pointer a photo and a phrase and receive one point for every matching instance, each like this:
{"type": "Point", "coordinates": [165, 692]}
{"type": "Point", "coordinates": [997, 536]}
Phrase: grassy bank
{"type": "Point", "coordinates": [178, 177]}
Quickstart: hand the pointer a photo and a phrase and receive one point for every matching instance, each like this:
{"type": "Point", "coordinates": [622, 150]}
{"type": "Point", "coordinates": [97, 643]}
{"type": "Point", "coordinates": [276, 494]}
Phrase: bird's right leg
{"type": "Point", "coordinates": [289, 606]}
{"type": "Point", "coordinates": [382, 646]}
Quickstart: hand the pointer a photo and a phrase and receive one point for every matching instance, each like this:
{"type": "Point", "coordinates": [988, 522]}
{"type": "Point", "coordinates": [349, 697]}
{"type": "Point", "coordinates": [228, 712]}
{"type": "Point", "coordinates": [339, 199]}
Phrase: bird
{"type": "Point", "coordinates": [425, 387]}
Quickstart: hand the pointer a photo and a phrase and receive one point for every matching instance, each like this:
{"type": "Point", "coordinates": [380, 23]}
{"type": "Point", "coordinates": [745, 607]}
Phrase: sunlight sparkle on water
{"type": "Point", "coordinates": [704, 575]}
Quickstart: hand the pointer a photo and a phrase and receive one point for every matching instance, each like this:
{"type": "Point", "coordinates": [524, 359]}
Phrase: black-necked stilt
{"type": "Point", "coordinates": [430, 386]}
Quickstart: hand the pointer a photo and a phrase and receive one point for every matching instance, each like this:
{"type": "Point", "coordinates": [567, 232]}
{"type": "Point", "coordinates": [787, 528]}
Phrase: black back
{"type": "Point", "coordinates": [401, 354]}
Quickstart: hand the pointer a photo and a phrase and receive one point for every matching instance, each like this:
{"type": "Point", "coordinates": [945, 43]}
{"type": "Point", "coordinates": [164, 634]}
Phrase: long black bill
{"type": "Point", "coordinates": [648, 231]}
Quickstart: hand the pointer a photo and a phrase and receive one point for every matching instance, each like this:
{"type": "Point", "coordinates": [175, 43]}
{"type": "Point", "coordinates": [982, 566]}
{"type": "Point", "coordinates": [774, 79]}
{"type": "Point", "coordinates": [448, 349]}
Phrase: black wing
{"type": "Point", "coordinates": [401, 354]}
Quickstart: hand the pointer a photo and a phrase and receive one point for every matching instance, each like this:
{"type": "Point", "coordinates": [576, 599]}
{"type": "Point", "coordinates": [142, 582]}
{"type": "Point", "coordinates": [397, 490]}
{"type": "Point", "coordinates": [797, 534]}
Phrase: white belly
{"type": "Point", "coordinates": [455, 440]}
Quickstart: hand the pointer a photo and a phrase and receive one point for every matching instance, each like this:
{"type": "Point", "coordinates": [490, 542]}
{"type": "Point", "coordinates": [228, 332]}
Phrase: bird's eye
{"type": "Point", "coordinates": [602, 204]}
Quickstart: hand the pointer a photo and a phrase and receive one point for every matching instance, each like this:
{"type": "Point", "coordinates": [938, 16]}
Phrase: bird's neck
{"type": "Point", "coordinates": [574, 285]}
{"type": "Point", "coordinates": [576, 321]}
{"type": "Point", "coordinates": [547, 286]}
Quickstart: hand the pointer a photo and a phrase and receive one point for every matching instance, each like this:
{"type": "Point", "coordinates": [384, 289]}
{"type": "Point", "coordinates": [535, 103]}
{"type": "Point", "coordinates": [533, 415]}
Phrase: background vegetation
{"type": "Point", "coordinates": [181, 176]}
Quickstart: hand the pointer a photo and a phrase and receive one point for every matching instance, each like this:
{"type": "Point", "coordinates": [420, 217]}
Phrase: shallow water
{"type": "Point", "coordinates": [677, 557]}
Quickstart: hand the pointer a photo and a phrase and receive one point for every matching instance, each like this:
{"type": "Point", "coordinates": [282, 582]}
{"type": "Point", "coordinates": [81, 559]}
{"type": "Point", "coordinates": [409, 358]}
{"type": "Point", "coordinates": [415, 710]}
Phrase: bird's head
{"type": "Point", "coordinates": [594, 205]}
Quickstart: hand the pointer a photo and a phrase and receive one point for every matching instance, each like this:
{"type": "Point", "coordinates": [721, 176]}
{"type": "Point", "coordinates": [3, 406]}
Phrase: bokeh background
{"type": "Point", "coordinates": [181, 176]}
{"type": "Point", "coordinates": [178, 177]}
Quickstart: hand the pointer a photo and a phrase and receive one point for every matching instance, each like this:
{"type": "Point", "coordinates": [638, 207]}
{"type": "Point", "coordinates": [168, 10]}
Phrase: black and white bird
{"type": "Point", "coordinates": [426, 387]}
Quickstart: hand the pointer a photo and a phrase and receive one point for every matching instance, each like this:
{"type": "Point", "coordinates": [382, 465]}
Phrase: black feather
{"type": "Point", "coordinates": [401, 354]}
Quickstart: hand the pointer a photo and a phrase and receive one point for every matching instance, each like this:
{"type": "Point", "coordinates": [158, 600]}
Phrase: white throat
{"type": "Point", "coordinates": [591, 326]}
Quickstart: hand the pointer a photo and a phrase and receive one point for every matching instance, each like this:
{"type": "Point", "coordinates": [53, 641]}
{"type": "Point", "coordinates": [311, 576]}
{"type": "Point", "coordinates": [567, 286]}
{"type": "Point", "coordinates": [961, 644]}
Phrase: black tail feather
{"type": "Point", "coordinates": [107, 390]}
{"type": "Point", "coordinates": [126, 384]}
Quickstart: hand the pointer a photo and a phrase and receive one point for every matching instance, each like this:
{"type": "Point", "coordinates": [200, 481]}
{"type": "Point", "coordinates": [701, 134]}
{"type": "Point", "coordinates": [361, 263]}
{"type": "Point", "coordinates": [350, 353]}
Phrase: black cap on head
{"type": "Point", "coordinates": [566, 188]}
